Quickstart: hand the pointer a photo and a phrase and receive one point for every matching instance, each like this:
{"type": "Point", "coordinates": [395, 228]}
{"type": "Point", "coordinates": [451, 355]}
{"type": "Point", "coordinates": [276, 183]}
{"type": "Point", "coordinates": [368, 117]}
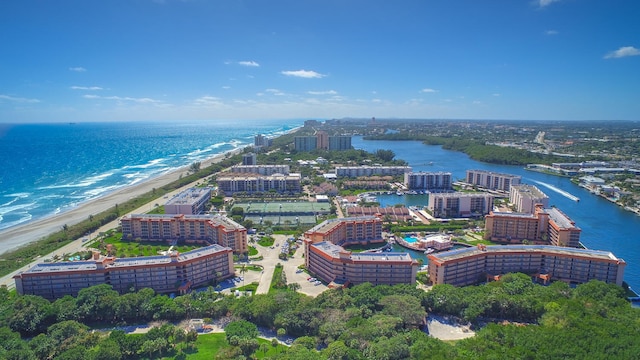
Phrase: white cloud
{"type": "Point", "coordinates": [86, 88]}
{"type": "Point", "coordinates": [544, 3]}
{"type": "Point", "coordinates": [18, 99]}
{"type": "Point", "coordinates": [249, 63]}
{"type": "Point", "coordinates": [77, 69]}
{"type": "Point", "coordinates": [120, 98]}
{"type": "Point", "coordinates": [477, 102]}
{"type": "Point", "coordinates": [208, 101]}
{"type": "Point", "coordinates": [275, 92]}
{"type": "Point", "coordinates": [328, 92]}
{"type": "Point", "coordinates": [496, 94]}
{"type": "Point", "coordinates": [226, 87]}
{"type": "Point", "coordinates": [308, 74]}
{"type": "Point", "coordinates": [623, 52]}
{"type": "Point", "coordinates": [427, 90]}
{"type": "Point", "coordinates": [551, 32]}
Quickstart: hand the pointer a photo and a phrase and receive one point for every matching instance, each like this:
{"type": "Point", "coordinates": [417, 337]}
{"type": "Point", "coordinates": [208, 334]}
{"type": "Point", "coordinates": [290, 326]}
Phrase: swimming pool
{"type": "Point", "coordinates": [410, 239]}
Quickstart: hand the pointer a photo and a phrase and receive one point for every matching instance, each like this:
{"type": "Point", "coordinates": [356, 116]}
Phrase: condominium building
{"type": "Point", "coordinates": [544, 226]}
{"type": "Point", "coordinates": [325, 256]}
{"type": "Point", "coordinates": [169, 273]}
{"type": "Point", "coordinates": [430, 181]}
{"type": "Point", "coordinates": [339, 267]}
{"type": "Point", "coordinates": [204, 229]}
{"type": "Point", "coordinates": [459, 204]}
{"type": "Point", "coordinates": [347, 231]}
{"type": "Point", "coordinates": [260, 141]}
{"type": "Point", "coordinates": [357, 171]}
{"type": "Point", "coordinates": [305, 143]}
{"type": "Point", "coordinates": [526, 197]}
{"type": "Point", "coordinates": [321, 141]}
{"type": "Point", "coordinates": [492, 181]}
{"type": "Point", "coordinates": [261, 169]}
{"type": "Point", "coordinates": [473, 265]}
{"type": "Point", "coordinates": [192, 201]}
{"type": "Point", "coordinates": [339, 142]}
{"type": "Point", "coordinates": [249, 159]}
{"type": "Point", "coordinates": [230, 183]}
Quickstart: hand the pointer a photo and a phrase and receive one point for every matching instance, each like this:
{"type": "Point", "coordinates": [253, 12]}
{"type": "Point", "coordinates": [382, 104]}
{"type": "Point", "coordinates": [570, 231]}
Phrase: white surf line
{"type": "Point", "coordinates": [559, 191]}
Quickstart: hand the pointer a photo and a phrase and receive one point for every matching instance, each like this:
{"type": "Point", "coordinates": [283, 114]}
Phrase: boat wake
{"type": "Point", "coordinates": [559, 191]}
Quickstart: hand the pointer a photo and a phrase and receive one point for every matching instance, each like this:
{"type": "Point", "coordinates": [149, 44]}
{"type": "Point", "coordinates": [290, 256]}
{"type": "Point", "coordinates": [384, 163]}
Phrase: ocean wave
{"type": "Point", "coordinates": [18, 195]}
{"type": "Point", "coordinates": [4, 210]}
{"type": "Point", "coordinates": [84, 183]}
{"type": "Point", "coordinates": [101, 190]}
{"type": "Point", "coordinates": [151, 163]}
{"type": "Point", "coordinates": [5, 225]}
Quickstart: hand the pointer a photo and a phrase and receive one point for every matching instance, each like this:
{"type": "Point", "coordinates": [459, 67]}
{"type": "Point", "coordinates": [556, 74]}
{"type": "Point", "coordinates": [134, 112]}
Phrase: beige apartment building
{"type": "Point", "coordinates": [546, 226]}
{"type": "Point", "coordinates": [203, 229]}
{"type": "Point", "coordinates": [546, 263]}
{"type": "Point", "coordinates": [171, 273]}
{"type": "Point", "coordinates": [326, 258]}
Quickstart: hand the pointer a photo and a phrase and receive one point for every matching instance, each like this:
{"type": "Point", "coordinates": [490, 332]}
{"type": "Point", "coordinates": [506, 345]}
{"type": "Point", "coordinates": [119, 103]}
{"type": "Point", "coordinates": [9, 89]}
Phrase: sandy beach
{"type": "Point", "coordinates": [14, 237]}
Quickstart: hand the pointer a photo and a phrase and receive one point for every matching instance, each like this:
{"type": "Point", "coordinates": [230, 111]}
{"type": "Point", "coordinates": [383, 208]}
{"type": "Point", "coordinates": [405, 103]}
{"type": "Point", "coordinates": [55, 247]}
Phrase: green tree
{"type": "Point", "coordinates": [241, 329]}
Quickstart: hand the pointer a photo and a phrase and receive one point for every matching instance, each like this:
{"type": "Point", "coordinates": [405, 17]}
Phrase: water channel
{"type": "Point", "coordinates": [605, 226]}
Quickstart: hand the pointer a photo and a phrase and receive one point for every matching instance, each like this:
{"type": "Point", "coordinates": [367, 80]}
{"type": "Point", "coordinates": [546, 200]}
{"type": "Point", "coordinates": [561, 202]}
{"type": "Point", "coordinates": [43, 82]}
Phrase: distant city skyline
{"type": "Point", "coordinates": [77, 61]}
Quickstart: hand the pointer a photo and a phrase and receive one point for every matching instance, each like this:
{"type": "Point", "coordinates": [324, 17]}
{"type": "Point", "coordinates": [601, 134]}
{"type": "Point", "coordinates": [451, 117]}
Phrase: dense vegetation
{"type": "Point", "coordinates": [477, 149]}
{"type": "Point", "coordinates": [525, 321]}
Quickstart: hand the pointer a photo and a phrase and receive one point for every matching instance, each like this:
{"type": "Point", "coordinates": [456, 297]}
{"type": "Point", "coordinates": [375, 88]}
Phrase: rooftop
{"type": "Point", "coordinates": [546, 249]}
{"type": "Point", "coordinates": [189, 196]}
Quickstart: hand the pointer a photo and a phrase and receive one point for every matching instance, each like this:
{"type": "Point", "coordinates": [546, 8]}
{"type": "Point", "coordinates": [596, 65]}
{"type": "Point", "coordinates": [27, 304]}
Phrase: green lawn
{"type": "Point", "coordinates": [266, 241]}
{"type": "Point", "coordinates": [131, 248]}
{"type": "Point", "coordinates": [253, 251]}
{"type": "Point", "coordinates": [209, 344]}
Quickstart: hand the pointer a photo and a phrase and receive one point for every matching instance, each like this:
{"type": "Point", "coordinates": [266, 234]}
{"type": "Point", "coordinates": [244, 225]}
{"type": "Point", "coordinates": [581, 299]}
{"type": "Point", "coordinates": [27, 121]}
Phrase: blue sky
{"type": "Point", "coordinates": [91, 60]}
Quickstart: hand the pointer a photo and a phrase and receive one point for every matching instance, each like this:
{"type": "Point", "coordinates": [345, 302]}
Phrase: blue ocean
{"type": "Point", "coordinates": [46, 169]}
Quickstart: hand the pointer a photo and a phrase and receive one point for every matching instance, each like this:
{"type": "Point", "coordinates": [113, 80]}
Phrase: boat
{"type": "Point", "coordinates": [429, 251]}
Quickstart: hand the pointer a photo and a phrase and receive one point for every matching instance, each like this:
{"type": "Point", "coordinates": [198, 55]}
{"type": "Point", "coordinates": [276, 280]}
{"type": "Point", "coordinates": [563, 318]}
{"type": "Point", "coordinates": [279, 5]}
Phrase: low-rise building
{"type": "Point", "coordinates": [261, 169]}
{"type": "Point", "coordinates": [204, 229]}
{"type": "Point", "coordinates": [357, 171]}
{"type": "Point", "coordinates": [174, 272]}
{"type": "Point", "coordinates": [467, 266]}
{"type": "Point", "coordinates": [325, 256]}
{"type": "Point", "coordinates": [231, 183]}
{"type": "Point", "coordinates": [192, 201]}
{"type": "Point", "coordinates": [337, 266]}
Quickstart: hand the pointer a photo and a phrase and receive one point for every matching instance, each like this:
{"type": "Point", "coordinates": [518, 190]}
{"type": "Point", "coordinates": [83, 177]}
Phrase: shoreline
{"type": "Point", "coordinates": [32, 231]}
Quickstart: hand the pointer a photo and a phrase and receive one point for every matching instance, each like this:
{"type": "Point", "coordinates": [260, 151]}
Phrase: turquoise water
{"type": "Point", "coordinates": [410, 239]}
{"type": "Point", "coordinates": [46, 169]}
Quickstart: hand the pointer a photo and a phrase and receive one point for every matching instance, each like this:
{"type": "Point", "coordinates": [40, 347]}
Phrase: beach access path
{"type": "Point", "coordinates": [13, 238]}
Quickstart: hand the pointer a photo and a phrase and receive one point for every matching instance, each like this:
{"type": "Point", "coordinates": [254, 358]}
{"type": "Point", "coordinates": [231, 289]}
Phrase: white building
{"type": "Point", "coordinates": [192, 201]}
{"type": "Point", "coordinates": [356, 171]}
{"type": "Point", "coordinates": [525, 198]}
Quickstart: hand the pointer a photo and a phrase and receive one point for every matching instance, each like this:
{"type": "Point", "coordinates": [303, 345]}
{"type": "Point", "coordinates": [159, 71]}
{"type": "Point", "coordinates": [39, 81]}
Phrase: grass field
{"type": "Point", "coordinates": [125, 248]}
{"type": "Point", "coordinates": [209, 344]}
